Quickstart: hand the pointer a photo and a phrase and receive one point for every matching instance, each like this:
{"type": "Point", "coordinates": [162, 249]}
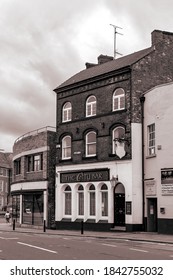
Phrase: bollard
{"type": "Point", "coordinates": [44, 226]}
{"type": "Point", "coordinates": [14, 224]}
{"type": "Point", "coordinates": [81, 227]}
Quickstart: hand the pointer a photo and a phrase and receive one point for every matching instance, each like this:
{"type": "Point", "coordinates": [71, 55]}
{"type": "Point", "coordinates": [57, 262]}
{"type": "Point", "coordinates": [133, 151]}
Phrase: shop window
{"type": "Point", "coordinates": [119, 99]}
{"type": "Point", "coordinates": [67, 112]}
{"type": "Point", "coordinates": [92, 204]}
{"type": "Point", "coordinates": [151, 140]}
{"type": "Point", "coordinates": [67, 194]}
{"type": "Point", "coordinates": [33, 208]}
{"type": "Point", "coordinates": [35, 162]}
{"type": "Point", "coordinates": [66, 147]}
{"type": "Point", "coordinates": [91, 104]}
{"type": "Point", "coordinates": [104, 200]}
{"type": "Point", "coordinates": [91, 144]}
{"type": "Point", "coordinates": [16, 207]}
{"type": "Point", "coordinates": [17, 166]}
{"type": "Point", "coordinates": [80, 200]}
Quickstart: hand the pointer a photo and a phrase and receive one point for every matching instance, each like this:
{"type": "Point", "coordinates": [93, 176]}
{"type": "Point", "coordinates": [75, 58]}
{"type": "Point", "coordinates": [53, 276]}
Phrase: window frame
{"type": "Point", "coordinates": [91, 106]}
{"type": "Point", "coordinates": [120, 98]}
{"type": "Point", "coordinates": [113, 137]}
{"type": "Point", "coordinates": [151, 134]}
{"type": "Point", "coordinates": [65, 148]}
{"type": "Point", "coordinates": [80, 200]}
{"type": "Point", "coordinates": [89, 144]}
{"type": "Point", "coordinates": [67, 112]}
{"type": "Point", "coordinates": [67, 201]}
{"type": "Point", "coordinates": [104, 208]}
{"type": "Point", "coordinates": [92, 201]}
{"type": "Point", "coordinates": [35, 164]}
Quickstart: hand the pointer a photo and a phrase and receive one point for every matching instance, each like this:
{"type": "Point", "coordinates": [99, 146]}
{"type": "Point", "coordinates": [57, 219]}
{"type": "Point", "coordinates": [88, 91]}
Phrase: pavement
{"type": "Point", "coordinates": [133, 236]}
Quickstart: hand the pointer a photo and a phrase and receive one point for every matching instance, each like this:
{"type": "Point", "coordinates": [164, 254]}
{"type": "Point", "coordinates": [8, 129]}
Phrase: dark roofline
{"type": "Point", "coordinates": [103, 70]}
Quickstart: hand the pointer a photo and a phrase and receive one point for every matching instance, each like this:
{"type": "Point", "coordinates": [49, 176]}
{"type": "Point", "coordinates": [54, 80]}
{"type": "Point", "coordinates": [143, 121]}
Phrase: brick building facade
{"type": "Point", "coordinates": [33, 182]}
{"type": "Point", "coordinates": [5, 179]}
{"type": "Point", "coordinates": [99, 176]}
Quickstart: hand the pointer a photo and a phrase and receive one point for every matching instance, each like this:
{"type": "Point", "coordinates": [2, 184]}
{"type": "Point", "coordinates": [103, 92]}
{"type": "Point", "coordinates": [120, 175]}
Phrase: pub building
{"type": "Point", "coordinates": [99, 145]}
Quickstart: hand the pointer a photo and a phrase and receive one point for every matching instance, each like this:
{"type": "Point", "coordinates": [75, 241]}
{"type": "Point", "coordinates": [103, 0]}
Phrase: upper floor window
{"type": "Point", "coordinates": [151, 139]}
{"type": "Point", "coordinates": [17, 166]}
{"type": "Point", "coordinates": [35, 162]}
{"type": "Point", "coordinates": [66, 112]}
{"type": "Point", "coordinates": [117, 138]}
{"type": "Point", "coordinates": [66, 147]}
{"type": "Point", "coordinates": [118, 99]}
{"type": "Point", "coordinates": [91, 143]}
{"type": "Point", "coordinates": [91, 106]}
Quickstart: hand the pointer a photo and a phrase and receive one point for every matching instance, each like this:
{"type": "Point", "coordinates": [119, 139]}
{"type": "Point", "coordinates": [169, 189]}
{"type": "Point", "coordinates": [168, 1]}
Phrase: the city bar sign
{"type": "Point", "coordinates": [85, 176]}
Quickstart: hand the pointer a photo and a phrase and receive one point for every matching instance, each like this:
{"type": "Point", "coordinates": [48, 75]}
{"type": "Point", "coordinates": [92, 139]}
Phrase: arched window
{"type": "Point", "coordinates": [67, 201]}
{"type": "Point", "coordinates": [66, 112]}
{"type": "Point", "coordinates": [118, 99]}
{"type": "Point", "coordinates": [118, 135]}
{"type": "Point", "coordinates": [92, 203]}
{"type": "Point", "coordinates": [80, 200]}
{"type": "Point", "coordinates": [91, 143]}
{"type": "Point", "coordinates": [91, 106]}
{"type": "Point", "coordinates": [104, 200]}
{"type": "Point", "coordinates": [66, 147]}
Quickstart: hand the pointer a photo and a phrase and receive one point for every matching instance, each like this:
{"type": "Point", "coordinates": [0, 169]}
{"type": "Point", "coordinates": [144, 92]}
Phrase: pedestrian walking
{"type": "Point", "coordinates": [7, 216]}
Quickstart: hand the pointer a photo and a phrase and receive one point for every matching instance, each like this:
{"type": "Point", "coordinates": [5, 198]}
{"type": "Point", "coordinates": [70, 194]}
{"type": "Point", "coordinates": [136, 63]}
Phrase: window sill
{"type": "Point", "coordinates": [89, 157]}
{"type": "Point", "coordinates": [151, 156]}
{"type": "Point", "coordinates": [65, 160]}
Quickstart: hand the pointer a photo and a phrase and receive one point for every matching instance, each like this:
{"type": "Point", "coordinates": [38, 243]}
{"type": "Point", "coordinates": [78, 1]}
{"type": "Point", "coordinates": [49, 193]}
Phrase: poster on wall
{"type": "Point", "coordinates": [167, 181]}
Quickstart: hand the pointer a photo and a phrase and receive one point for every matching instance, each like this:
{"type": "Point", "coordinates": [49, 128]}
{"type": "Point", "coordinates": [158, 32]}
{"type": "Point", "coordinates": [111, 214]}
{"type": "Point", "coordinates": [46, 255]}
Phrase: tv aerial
{"type": "Point", "coordinates": [115, 34]}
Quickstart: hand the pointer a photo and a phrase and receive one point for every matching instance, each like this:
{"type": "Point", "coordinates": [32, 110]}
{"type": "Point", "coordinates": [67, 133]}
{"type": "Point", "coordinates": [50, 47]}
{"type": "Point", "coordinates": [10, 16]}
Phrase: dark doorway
{"type": "Point", "coordinates": [119, 209]}
{"type": "Point", "coordinates": [152, 215]}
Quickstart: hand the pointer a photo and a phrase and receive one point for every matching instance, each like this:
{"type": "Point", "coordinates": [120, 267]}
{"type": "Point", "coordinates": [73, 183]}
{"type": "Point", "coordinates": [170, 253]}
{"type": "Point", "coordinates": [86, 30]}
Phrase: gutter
{"type": "Point", "coordinates": [142, 100]}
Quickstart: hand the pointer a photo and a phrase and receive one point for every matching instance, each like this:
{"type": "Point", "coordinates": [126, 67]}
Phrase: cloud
{"type": "Point", "coordinates": [43, 43]}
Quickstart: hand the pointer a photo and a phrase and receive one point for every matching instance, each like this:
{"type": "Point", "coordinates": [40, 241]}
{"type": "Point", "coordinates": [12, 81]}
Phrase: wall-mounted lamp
{"type": "Point", "coordinates": [58, 146]}
{"type": "Point", "coordinates": [114, 180]}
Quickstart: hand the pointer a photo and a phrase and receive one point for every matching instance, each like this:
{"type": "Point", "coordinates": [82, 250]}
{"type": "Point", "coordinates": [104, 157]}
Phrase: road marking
{"type": "Point", "coordinates": [110, 245]}
{"type": "Point", "coordinates": [133, 249]}
{"type": "Point", "coordinates": [7, 238]}
{"type": "Point", "coordinates": [40, 248]}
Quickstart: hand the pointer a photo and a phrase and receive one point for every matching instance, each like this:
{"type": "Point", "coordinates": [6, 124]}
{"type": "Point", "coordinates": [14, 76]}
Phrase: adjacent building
{"type": "Point", "coordinates": [5, 179]}
{"type": "Point", "coordinates": [158, 158]}
{"type": "Point", "coordinates": [33, 182]}
{"type": "Point", "coordinates": [100, 159]}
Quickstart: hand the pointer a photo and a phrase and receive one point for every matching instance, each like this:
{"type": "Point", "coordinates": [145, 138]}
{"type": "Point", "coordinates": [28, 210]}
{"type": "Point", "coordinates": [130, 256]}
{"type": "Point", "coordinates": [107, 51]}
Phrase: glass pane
{"type": "Point", "coordinates": [81, 203]}
{"type": "Point", "coordinates": [67, 203]}
{"type": "Point", "coordinates": [104, 203]}
{"type": "Point", "coordinates": [92, 203]}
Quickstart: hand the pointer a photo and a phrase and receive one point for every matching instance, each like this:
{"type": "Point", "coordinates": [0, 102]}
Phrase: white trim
{"type": "Point", "coordinates": [30, 152]}
{"type": "Point", "coordinates": [31, 186]}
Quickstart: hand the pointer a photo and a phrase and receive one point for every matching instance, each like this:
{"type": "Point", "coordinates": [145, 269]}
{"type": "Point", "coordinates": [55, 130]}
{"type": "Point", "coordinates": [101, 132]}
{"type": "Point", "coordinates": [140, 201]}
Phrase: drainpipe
{"type": "Point", "coordinates": [142, 100]}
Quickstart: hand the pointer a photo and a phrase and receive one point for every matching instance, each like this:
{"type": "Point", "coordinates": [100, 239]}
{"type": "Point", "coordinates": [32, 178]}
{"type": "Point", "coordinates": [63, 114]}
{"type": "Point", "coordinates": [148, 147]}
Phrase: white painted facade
{"type": "Point", "coordinates": [129, 175]}
{"type": "Point", "coordinates": [158, 110]}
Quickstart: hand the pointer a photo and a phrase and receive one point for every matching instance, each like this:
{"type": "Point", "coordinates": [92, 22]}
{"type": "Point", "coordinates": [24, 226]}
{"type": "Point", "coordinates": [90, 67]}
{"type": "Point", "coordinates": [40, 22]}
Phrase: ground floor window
{"type": "Point", "coordinates": [16, 207]}
{"type": "Point", "coordinates": [80, 200]}
{"type": "Point", "coordinates": [104, 200]}
{"type": "Point", "coordinates": [32, 209]}
{"type": "Point", "coordinates": [92, 200]}
{"type": "Point", "coordinates": [67, 198]}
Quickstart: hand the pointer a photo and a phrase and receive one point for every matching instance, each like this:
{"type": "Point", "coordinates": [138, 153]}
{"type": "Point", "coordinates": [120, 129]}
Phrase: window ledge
{"type": "Point", "coordinates": [151, 156]}
{"type": "Point", "coordinates": [89, 157]}
{"type": "Point", "coordinates": [65, 160]}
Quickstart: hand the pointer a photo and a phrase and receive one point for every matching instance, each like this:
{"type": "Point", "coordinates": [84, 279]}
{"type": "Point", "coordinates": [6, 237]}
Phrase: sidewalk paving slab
{"type": "Point", "coordinates": [133, 236]}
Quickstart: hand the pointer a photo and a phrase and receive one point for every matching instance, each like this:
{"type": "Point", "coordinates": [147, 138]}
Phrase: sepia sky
{"type": "Point", "coordinates": [44, 42]}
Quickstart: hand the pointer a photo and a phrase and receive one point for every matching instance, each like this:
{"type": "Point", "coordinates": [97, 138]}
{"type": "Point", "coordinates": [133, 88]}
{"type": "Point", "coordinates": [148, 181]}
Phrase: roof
{"type": "Point", "coordinates": [107, 67]}
{"type": "Point", "coordinates": [5, 160]}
